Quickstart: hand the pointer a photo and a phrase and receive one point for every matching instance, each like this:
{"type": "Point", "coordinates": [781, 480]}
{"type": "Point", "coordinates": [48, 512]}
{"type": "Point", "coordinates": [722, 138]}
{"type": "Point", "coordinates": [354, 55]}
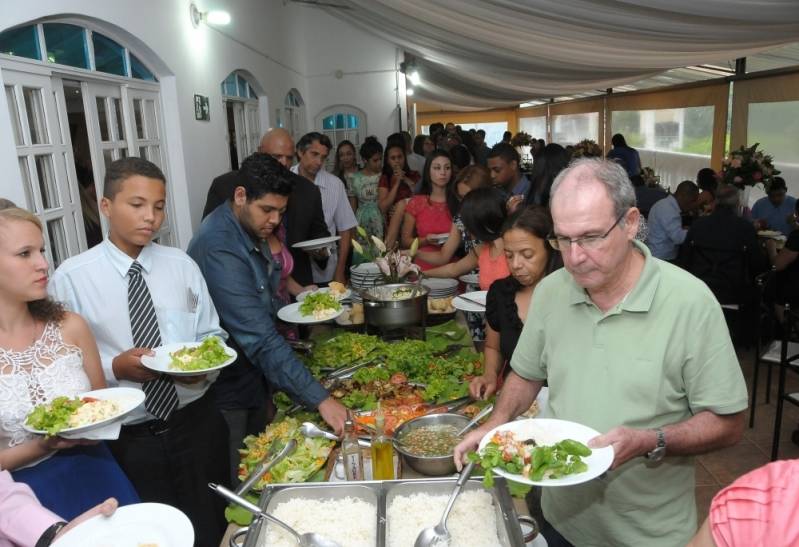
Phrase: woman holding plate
{"type": "Point", "coordinates": [529, 259]}
{"type": "Point", "coordinates": [46, 352]}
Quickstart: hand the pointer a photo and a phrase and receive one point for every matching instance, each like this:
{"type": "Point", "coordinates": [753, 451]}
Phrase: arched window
{"type": "Point", "coordinates": [241, 107]}
{"type": "Point", "coordinates": [341, 122]}
{"type": "Point", "coordinates": [68, 127]}
{"type": "Point", "coordinates": [291, 116]}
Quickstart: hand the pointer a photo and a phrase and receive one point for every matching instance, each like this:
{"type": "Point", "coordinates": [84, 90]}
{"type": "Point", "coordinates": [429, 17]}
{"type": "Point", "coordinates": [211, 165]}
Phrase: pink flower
{"type": "Point", "coordinates": [735, 163]}
{"type": "Point", "coordinates": [382, 263]}
{"type": "Point", "coordinates": [737, 180]}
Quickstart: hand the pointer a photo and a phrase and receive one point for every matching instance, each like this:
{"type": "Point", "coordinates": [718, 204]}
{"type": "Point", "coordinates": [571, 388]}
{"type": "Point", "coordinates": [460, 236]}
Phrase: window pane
{"type": "Point", "coordinates": [151, 125]}
{"type": "Point", "coordinates": [108, 156]}
{"type": "Point", "coordinates": [776, 127]}
{"type": "Point", "coordinates": [535, 127]}
{"type": "Point", "coordinates": [352, 121]}
{"type": "Point", "coordinates": [66, 44]}
{"type": "Point", "coordinates": [26, 184]}
{"type": "Point", "coordinates": [108, 55]}
{"type": "Point", "coordinates": [14, 114]}
{"type": "Point", "coordinates": [35, 110]}
{"type": "Point", "coordinates": [138, 70]}
{"type": "Point", "coordinates": [681, 130]}
{"type": "Point", "coordinates": [58, 241]}
{"type": "Point", "coordinates": [340, 123]}
{"type": "Point", "coordinates": [572, 128]}
{"type": "Point", "coordinates": [143, 152]}
{"type": "Point", "coordinates": [120, 122]}
{"type": "Point", "coordinates": [47, 183]}
{"type": "Point", "coordinates": [154, 154]}
{"type": "Point", "coordinates": [123, 152]}
{"type": "Point", "coordinates": [242, 91]}
{"type": "Point", "coordinates": [21, 42]}
{"type": "Point", "coordinates": [102, 117]}
{"type": "Point", "coordinates": [229, 86]}
{"type": "Point", "coordinates": [494, 130]}
{"type": "Point", "coordinates": [137, 116]}
{"type": "Point", "coordinates": [252, 93]}
{"type": "Point", "coordinates": [329, 123]}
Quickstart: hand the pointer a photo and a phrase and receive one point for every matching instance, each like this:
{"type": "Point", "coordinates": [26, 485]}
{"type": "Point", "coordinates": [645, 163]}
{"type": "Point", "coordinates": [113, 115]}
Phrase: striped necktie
{"type": "Point", "coordinates": [161, 398]}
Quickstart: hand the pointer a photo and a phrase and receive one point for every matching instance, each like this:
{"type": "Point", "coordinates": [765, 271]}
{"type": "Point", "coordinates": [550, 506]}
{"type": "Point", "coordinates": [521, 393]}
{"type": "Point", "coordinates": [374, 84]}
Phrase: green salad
{"type": "Point", "coordinates": [320, 305]}
{"type": "Point", "coordinates": [54, 417]}
{"type": "Point", "coordinates": [211, 353]}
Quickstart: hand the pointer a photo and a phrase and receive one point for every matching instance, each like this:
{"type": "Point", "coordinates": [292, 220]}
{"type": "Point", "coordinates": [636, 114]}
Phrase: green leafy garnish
{"type": "Point", "coordinates": [53, 417]}
{"type": "Point", "coordinates": [209, 354]}
{"type": "Point", "coordinates": [319, 302]}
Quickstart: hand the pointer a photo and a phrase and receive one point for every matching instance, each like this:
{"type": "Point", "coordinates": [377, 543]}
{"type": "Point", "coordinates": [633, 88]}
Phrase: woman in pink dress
{"type": "Point", "coordinates": [429, 212]}
{"type": "Point", "coordinates": [287, 287]}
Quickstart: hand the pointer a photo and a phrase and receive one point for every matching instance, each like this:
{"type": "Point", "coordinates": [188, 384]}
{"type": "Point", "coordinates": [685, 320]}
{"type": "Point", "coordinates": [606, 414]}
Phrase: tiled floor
{"type": "Point", "coordinates": [718, 469]}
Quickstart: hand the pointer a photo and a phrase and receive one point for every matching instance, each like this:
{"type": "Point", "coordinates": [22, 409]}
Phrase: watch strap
{"type": "Point", "coordinates": [49, 535]}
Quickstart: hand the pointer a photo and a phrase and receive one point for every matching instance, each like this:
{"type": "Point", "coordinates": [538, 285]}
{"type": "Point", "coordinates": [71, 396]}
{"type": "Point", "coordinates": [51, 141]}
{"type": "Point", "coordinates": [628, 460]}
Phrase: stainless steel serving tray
{"type": "Point", "coordinates": [381, 493]}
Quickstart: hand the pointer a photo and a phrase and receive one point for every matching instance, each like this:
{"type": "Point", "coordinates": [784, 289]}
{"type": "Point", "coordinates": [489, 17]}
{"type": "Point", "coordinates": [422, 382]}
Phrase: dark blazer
{"type": "Point", "coordinates": [304, 218]}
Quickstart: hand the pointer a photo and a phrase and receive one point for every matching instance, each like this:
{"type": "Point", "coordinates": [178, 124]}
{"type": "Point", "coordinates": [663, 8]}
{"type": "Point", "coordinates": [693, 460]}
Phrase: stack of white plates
{"type": "Point", "coordinates": [440, 288]}
{"type": "Point", "coordinates": [364, 276]}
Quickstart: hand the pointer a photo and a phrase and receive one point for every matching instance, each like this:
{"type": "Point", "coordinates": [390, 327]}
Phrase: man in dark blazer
{"type": "Point", "coordinates": [304, 218]}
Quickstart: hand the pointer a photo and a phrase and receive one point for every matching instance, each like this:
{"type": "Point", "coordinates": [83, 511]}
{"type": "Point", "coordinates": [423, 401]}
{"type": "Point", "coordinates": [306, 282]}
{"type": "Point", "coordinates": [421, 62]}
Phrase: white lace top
{"type": "Point", "coordinates": [46, 370]}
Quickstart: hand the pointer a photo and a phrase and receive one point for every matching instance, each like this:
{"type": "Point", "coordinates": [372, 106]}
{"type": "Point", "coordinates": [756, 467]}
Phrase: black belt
{"type": "Point", "coordinates": [159, 427]}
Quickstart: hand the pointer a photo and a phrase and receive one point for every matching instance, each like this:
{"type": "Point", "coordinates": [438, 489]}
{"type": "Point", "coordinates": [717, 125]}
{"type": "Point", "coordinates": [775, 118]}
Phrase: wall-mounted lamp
{"type": "Point", "coordinates": [413, 76]}
{"type": "Point", "coordinates": [409, 92]}
{"type": "Point", "coordinates": [213, 17]}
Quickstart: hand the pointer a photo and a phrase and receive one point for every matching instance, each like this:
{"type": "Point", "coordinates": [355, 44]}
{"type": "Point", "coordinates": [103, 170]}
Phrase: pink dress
{"type": "Point", "coordinates": [431, 217]}
{"type": "Point", "coordinates": [491, 268]}
{"type": "Point", "coordinates": [759, 509]}
{"type": "Point", "coordinates": [286, 262]}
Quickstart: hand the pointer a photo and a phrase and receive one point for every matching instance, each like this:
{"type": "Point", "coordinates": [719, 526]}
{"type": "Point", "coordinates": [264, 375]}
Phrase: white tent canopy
{"type": "Point", "coordinates": [493, 53]}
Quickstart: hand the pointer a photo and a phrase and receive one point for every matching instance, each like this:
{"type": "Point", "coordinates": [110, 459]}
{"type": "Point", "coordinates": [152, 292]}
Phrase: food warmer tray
{"type": "Point", "coordinates": [381, 493]}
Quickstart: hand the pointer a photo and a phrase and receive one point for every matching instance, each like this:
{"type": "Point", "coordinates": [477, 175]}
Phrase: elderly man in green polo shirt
{"type": "Point", "coordinates": [635, 348]}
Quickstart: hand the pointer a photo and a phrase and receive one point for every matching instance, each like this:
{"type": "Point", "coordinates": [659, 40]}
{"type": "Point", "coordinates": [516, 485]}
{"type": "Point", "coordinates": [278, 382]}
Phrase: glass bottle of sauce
{"type": "Point", "coordinates": [351, 452]}
{"type": "Point", "coordinates": [382, 450]}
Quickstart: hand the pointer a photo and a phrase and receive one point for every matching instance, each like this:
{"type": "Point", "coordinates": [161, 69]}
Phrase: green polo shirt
{"type": "Point", "coordinates": [660, 356]}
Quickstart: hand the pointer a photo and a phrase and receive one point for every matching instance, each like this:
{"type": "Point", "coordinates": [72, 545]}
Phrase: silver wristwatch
{"type": "Point", "coordinates": [660, 450]}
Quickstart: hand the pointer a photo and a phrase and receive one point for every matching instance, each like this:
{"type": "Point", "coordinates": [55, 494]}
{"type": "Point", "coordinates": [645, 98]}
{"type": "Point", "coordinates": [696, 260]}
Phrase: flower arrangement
{"type": "Point", "coordinates": [748, 167]}
{"type": "Point", "coordinates": [649, 176]}
{"type": "Point", "coordinates": [587, 148]}
{"type": "Point", "coordinates": [393, 263]}
{"type": "Point", "coordinates": [521, 139]}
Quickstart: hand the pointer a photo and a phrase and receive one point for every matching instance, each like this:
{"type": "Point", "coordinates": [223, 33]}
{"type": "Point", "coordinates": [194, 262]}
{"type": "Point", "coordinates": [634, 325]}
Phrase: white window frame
{"type": "Point", "coordinates": [246, 118]}
{"type": "Point", "coordinates": [355, 136]}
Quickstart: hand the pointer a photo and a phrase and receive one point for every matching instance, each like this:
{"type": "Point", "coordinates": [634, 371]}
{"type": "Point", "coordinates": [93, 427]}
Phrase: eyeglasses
{"type": "Point", "coordinates": [560, 243]}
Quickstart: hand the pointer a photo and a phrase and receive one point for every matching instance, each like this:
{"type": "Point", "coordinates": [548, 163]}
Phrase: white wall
{"type": "Point", "coordinates": [297, 47]}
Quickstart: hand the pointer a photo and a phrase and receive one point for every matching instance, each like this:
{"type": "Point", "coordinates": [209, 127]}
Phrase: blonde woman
{"type": "Point", "coordinates": [46, 352]}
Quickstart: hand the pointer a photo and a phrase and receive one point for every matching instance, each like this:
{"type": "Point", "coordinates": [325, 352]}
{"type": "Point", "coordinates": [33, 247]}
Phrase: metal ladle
{"type": "Point", "coordinates": [439, 535]}
{"type": "Point", "coordinates": [308, 539]}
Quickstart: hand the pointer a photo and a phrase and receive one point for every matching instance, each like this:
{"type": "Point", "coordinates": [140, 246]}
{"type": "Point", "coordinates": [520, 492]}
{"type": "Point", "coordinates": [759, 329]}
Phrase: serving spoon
{"type": "Point", "coordinates": [438, 535]}
{"type": "Point", "coordinates": [308, 539]}
{"type": "Point", "coordinates": [311, 430]}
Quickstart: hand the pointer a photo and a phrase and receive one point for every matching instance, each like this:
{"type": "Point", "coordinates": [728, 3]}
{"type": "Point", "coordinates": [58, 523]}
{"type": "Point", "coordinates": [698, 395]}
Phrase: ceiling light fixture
{"type": "Point", "coordinates": [213, 17]}
{"type": "Point", "coordinates": [409, 92]}
{"type": "Point", "coordinates": [414, 77]}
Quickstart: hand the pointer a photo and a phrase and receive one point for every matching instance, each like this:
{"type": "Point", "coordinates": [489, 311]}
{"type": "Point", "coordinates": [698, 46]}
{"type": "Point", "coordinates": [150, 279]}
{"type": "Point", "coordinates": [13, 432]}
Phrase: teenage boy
{"type": "Point", "coordinates": [231, 250]}
{"type": "Point", "coordinates": [138, 295]}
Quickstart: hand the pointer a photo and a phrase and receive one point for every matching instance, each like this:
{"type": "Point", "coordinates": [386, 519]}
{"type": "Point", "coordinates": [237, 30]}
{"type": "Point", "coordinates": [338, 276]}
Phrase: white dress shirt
{"type": "Point", "coordinates": [665, 228]}
{"type": "Point", "coordinates": [94, 284]}
{"type": "Point", "coordinates": [416, 162]}
{"type": "Point", "coordinates": [338, 217]}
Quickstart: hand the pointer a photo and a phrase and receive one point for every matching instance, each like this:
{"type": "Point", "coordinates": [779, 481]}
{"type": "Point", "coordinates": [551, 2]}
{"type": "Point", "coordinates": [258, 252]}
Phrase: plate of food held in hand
{"type": "Point", "coordinates": [190, 358]}
{"type": "Point", "coordinates": [314, 244]}
{"type": "Point", "coordinates": [317, 307]}
{"type": "Point", "coordinates": [542, 452]}
{"type": "Point", "coordinates": [91, 410]}
{"type": "Point", "coordinates": [335, 289]}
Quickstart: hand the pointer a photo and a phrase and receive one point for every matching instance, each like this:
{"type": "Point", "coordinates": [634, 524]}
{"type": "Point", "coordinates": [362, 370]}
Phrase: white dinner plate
{"type": "Point", "coordinates": [772, 234]}
{"type": "Point", "coordinates": [440, 285]}
{"type": "Point", "coordinates": [133, 526]}
{"type": "Point", "coordinates": [291, 314]}
{"type": "Point", "coordinates": [548, 431]}
{"type": "Point", "coordinates": [161, 361]}
{"type": "Point", "coordinates": [470, 279]}
{"type": "Point", "coordinates": [478, 296]}
{"type": "Point", "coordinates": [127, 398]}
{"type": "Point", "coordinates": [313, 244]}
{"type": "Point", "coordinates": [346, 294]}
{"type": "Point", "coordinates": [438, 239]}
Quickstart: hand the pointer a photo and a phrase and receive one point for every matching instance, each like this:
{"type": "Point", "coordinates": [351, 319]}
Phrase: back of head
{"type": "Point", "coordinates": [460, 156]}
{"type": "Point", "coordinates": [618, 140]}
{"type": "Point", "coordinates": [407, 138]}
{"type": "Point", "coordinates": [483, 212]}
{"type": "Point", "coordinates": [505, 151]}
{"type": "Point", "coordinates": [610, 174]}
{"type": "Point", "coordinates": [727, 197]}
{"type": "Point", "coordinates": [10, 212]}
{"type": "Point", "coordinates": [474, 176]}
{"type": "Point", "coordinates": [506, 136]}
{"type": "Point", "coordinates": [308, 139]}
{"type": "Point", "coordinates": [551, 161]}
{"type": "Point", "coordinates": [706, 180]}
{"type": "Point", "coordinates": [119, 171]}
{"type": "Point", "coordinates": [370, 147]}
{"type": "Point", "coordinates": [6, 204]}
{"type": "Point", "coordinates": [262, 174]}
{"type": "Point", "coordinates": [396, 139]}
{"type": "Point", "coordinates": [686, 188]}
{"type": "Point", "coordinates": [777, 185]}
{"type": "Point", "coordinates": [418, 144]}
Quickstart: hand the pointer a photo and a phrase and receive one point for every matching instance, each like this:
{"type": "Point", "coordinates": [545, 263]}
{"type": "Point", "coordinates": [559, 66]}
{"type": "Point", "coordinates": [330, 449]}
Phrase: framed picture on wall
{"type": "Point", "coordinates": [202, 110]}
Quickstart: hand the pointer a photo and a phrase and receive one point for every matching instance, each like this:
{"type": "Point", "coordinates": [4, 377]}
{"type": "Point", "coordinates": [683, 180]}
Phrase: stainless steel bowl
{"type": "Point", "coordinates": [433, 466]}
{"type": "Point", "coordinates": [381, 311]}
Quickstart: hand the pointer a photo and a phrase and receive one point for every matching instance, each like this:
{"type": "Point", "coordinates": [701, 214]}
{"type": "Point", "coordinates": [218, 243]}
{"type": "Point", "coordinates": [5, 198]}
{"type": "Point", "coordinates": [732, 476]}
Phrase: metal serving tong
{"type": "Point", "coordinates": [268, 462]}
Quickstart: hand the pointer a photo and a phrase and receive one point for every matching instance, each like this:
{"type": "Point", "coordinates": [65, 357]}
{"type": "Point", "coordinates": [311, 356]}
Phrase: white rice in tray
{"type": "Point", "coordinates": [351, 522]}
{"type": "Point", "coordinates": [472, 522]}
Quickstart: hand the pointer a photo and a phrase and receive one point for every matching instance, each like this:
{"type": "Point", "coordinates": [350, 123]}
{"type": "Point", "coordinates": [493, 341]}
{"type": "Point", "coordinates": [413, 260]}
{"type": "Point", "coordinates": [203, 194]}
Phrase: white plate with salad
{"type": "Point", "coordinates": [338, 291]}
{"type": "Point", "coordinates": [133, 526]}
{"type": "Point", "coordinates": [317, 307]}
{"type": "Point", "coordinates": [560, 441]}
{"type": "Point", "coordinates": [71, 416]}
{"type": "Point", "coordinates": [190, 358]}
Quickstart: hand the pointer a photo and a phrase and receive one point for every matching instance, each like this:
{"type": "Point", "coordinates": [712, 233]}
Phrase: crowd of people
{"type": "Point", "coordinates": [572, 295]}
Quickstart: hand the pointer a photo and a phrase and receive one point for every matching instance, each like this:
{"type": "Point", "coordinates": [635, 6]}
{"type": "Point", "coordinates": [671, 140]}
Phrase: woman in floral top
{"type": "Point", "coordinates": [363, 188]}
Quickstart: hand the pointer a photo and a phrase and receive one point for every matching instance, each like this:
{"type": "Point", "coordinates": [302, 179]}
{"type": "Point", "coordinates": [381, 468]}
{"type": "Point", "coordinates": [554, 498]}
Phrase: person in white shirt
{"type": "Point", "coordinates": [176, 443]}
{"type": "Point", "coordinates": [666, 233]}
{"type": "Point", "coordinates": [312, 151]}
{"type": "Point", "coordinates": [415, 161]}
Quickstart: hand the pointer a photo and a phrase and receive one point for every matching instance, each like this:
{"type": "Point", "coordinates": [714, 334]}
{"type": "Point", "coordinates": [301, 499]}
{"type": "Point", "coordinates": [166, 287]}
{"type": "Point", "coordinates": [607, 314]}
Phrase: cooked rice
{"type": "Point", "coordinates": [350, 522]}
{"type": "Point", "coordinates": [472, 522]}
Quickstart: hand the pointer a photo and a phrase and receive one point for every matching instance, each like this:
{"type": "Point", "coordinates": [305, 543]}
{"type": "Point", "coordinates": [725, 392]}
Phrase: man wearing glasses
{"type": "Point", "coordinates": [633, 347]}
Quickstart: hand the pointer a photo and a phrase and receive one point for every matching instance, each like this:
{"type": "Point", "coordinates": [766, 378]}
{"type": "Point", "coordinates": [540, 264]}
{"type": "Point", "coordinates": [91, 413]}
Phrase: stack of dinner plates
{"type": "Point", "coordinates": [440, 288]}
{"type": "Point", "coordinates": [364, 276]}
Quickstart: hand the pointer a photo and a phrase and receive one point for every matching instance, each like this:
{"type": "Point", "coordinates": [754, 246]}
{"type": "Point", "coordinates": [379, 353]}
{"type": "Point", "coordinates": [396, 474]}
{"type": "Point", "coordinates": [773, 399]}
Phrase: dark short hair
{"type": "Point", "coordinates": [483, 212]}
{"type": "Point", "coordinates": [687, 187]}
{"type": "Point", "coordinates": [396, 139]}
{"type": "Point", "coordinates": [262, 174]}
{"type": "Point", "coordinates": [778, 183]}
{"type": "Point", "coordinates": [706, 180]}
{"type": "Point", "coordinates": [481, 132]}
{"type": "Point", "coordinates": [536, 220]}
{"type": "Point", "coordinates": [507, 135]}
{"type": "Point", "coordinates": [505, 151]}
{"type": "Point", "coordinates": [120, 170]}
{"type": "Point", "coordinates": [618, 140]}
{"type": "Point", "coordinates": [370, 147]}
{"type": "Point", "coordinates": [314, 136]}
{"type": "Point", "coordinates": [418, 144]}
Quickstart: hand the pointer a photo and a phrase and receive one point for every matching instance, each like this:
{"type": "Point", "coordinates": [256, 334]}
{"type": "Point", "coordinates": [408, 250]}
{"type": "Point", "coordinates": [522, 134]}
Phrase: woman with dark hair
{"type": "Point", "coordinates": [625, 155]}
{"type": "Point", "coordinates": [419, 144]}
{"type": "Point", "coordinates": [708, 183]}
{"type": "Point", "coordinates": [398, 181]}
{"type": "Point", "coordinates": [363, 190]}
{"type": "Point", "coordinates": [483, 212]}
{"type": "Point", "coordinates": [46, 352]}
{"type": "Point", "coordinates": [529, 259]}
{"type": "Point", "coordinates": [428, 213]}
{"type": "Point", "coordinates": [551, 161]}
{"type": "Point", "coordinates": [346, 162]}
{"type": "Point", "coordinates": [461, 158]}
